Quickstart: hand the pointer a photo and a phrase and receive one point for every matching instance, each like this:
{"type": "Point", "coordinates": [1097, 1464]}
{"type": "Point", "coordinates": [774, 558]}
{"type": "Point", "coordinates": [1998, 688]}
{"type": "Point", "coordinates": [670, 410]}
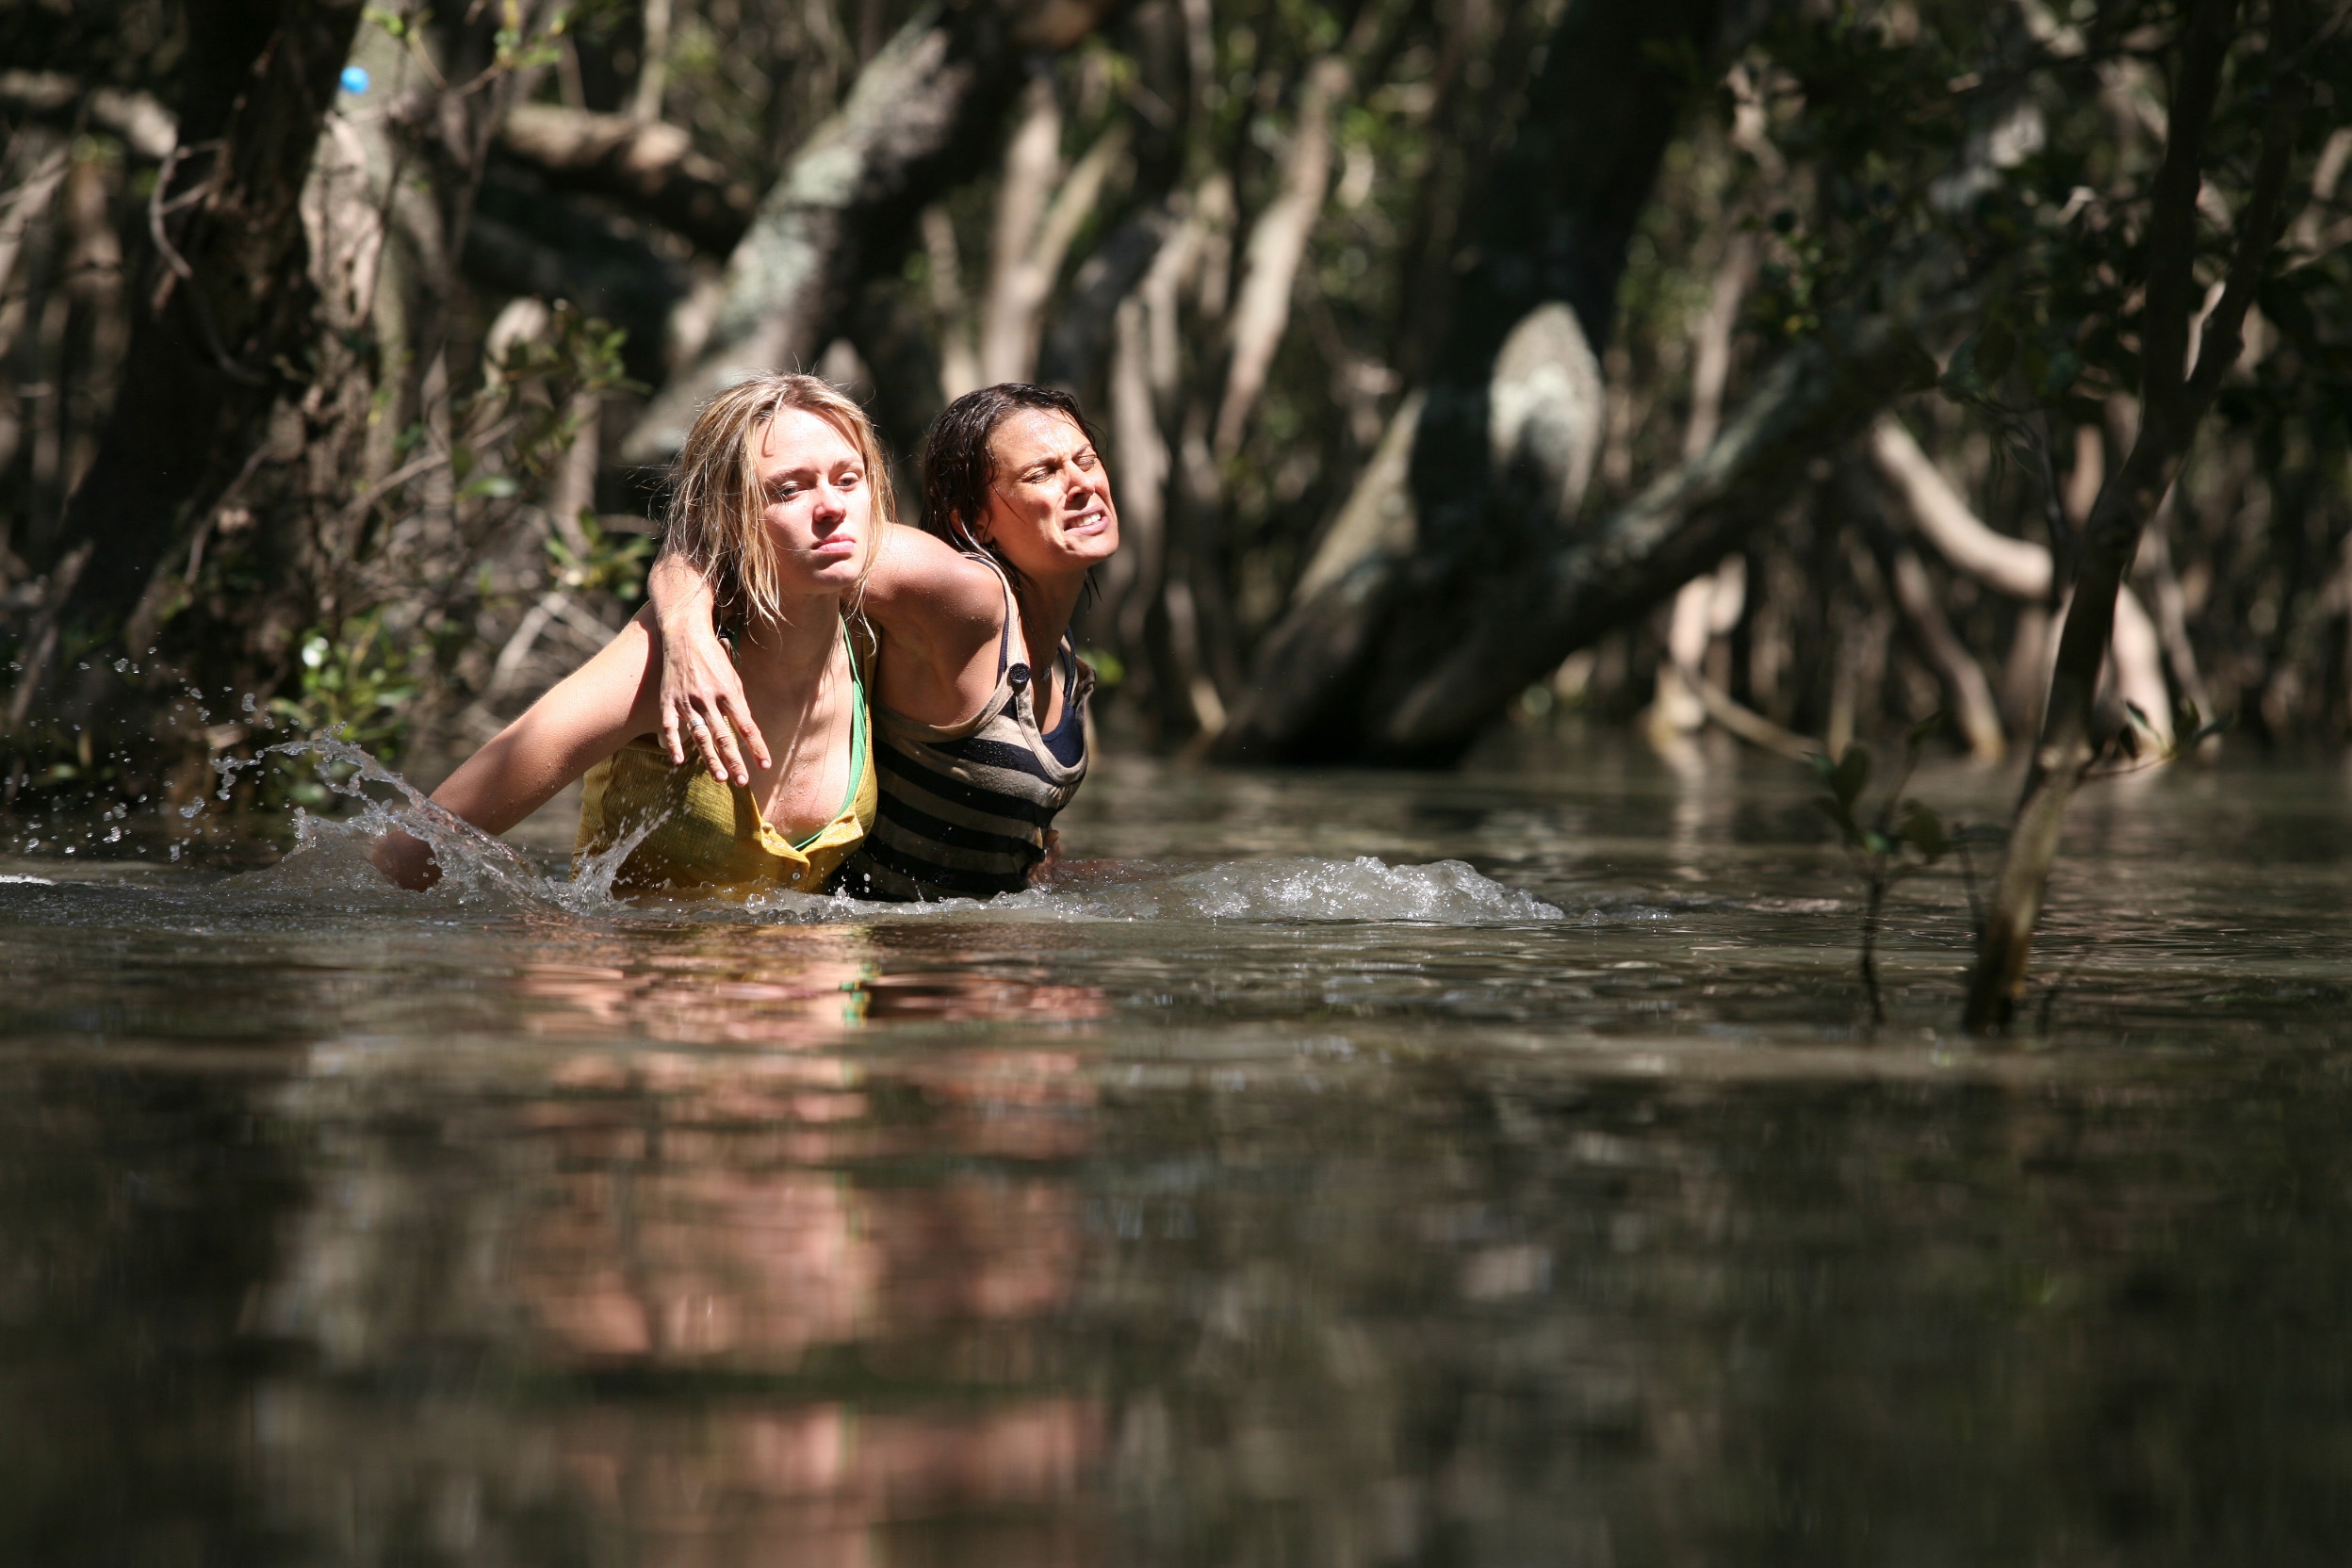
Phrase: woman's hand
{"type": "Point", "coordinates": [407, 860]}
{"type": "Point", "coordinates": [702, 697]}
{"type": "Point", "coordinates": [1042, 873]}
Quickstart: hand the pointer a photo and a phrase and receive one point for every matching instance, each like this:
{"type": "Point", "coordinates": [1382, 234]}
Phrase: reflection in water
{"type": "Point", "coordinates": [733, 1280]}
{"type": "Point", "coordinates": [787, 987]}
{"type": "Point", "coordinates": [1159, 1221]}
{"type": "Point", "coordinates": [676, 1233]}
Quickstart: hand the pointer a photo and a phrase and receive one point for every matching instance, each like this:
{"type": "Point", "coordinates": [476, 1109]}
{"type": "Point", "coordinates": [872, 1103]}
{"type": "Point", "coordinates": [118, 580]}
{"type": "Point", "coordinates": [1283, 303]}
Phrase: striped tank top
{"type": "Point", "coordinates": [965, 808]}
{"type": "Point", "coordinates": [709, 837]}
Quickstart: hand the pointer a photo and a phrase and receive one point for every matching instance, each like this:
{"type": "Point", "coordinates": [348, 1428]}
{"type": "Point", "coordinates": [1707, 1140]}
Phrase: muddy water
{"type": "Point", "coordinates": [1269, 1192]}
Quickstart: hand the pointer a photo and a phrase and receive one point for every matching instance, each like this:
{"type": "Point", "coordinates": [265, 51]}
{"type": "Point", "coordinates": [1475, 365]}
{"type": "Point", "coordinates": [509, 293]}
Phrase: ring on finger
{"type": "Point", "coordinates": [696, 721]}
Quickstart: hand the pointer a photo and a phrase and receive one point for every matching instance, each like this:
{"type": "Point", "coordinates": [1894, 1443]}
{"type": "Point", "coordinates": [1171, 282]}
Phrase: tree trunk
{"type": "Point", "coordinates": [1433, 653]}
{"type": "Point", "coordinates": [2171, 401]}
{"type": "Point", "coordinates": [1499, 457]}
{"type": "Point", "coordinates": [925, 115]}
{"type": "Point", "coordinates": [224, 319]}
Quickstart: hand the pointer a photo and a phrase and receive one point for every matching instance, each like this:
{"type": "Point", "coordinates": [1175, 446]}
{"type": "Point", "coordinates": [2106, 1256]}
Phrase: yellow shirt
{"type": "Point", "coordinates": [709, 837]}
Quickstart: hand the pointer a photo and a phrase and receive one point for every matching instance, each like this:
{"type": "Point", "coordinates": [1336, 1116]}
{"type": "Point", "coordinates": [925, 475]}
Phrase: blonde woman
{"type": "Point", "coordinates": [782, 501]}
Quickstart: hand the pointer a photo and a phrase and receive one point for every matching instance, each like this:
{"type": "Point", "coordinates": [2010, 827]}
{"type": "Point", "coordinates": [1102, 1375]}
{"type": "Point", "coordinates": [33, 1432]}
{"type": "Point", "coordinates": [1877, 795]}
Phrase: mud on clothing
{"type": "Point", "coordinates": [965, 808]}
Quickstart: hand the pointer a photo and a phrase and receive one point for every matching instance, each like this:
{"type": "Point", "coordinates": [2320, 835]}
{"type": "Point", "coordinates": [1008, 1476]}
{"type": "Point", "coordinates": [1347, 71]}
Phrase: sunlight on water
{"type": "Point", "coordinates": [1492, 1168]}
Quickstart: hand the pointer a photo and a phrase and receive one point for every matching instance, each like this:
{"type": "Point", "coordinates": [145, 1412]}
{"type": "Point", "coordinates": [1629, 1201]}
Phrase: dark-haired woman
{"type": "Point", "coordinates": [979, 696]}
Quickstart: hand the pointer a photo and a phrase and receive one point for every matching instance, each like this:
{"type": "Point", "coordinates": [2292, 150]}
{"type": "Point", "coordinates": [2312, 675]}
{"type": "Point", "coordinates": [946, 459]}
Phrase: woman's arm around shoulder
{"type": "Point", "coordinates": [930, 599]}
{"type": "Point", "coordinates": [584, 718]}
{"type": "Point", "coordinates": [702, 697]}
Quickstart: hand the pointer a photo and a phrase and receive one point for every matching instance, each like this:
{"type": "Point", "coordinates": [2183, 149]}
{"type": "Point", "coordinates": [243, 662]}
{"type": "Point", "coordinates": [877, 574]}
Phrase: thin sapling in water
{"type": "Point", "coordinates": [1901, 839]}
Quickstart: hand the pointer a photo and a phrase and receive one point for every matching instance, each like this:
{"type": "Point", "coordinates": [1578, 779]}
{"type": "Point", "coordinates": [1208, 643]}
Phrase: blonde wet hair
{"type": "Point", "coordinates": [716, 500]}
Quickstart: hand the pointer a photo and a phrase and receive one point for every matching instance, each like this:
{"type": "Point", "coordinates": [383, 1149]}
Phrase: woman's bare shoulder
{"type": "Point", "coordinates": [919, 574]}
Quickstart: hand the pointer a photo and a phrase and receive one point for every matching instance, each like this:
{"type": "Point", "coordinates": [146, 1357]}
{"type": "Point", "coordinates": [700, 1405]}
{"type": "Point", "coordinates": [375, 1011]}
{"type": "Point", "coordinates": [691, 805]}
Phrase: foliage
{"type": "Point", "coordinates": [534, 398]}
{"type": "Point", "coordinates": [601, 562]}
{"type": "Point", "coordinates": [354, 685]}
{"type": "Point", "coordinates": [416, 623]}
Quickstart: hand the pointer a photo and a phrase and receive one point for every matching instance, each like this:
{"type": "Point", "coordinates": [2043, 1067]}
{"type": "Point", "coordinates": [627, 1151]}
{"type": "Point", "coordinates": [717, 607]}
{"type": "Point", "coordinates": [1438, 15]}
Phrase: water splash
{"type": "Point", "coordinates": [1292, 889]}
{"type": "Point", "coordinates": [330, 855]}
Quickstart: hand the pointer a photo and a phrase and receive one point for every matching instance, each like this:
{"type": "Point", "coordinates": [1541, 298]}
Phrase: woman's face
{"type": "Point", "coordinates": [1050, 502]}
{"type": "Point", "coordinates": [819, 508]}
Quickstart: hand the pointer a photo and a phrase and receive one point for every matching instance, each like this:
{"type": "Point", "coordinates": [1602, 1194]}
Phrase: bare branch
{"type": "Point", "coordinates": [646, 164]}
{"type": "Point", "coordinates": [2258, 229]}
{"type": "Point", "coordinates": [2172, 218]}
{"type": "Point", "coordinates": [146, 127]}
{"type": "Point", "coordinates": [1276, 244]}
{"type": "Point", "coordinates": [2018, 567]}
{"type": "Point", "coordinates": [1033, 162]}
{"type": "Point", "coordinates": [921, 119]}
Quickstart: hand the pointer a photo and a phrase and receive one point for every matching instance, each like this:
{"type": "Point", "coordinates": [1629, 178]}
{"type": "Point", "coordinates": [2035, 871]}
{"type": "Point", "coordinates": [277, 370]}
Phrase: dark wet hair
{"type": "Point", "coordinates": [959, 465]}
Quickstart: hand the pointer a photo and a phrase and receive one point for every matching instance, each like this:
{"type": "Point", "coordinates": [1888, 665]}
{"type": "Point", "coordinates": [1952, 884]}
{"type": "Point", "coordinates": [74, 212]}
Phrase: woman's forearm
{"type": "Point", "coordinates": [588, 714]}
{"type": "Point", "coordinates": [702, 708]}
{"type": "Point", "coordinates": [680, 595]}
{"type": "Point", "coordinates": [510, 778]}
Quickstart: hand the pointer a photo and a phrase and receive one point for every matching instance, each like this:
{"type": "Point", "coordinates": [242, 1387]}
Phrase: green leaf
{"type": "Point", "coordinates": [2060, 372]}
{"type": "Point", "coordinates": [492, 487]}
{"type": "Point", "coordinates": [1852, 772]}
{"type": "Point", "coordinates": [1923, 830]}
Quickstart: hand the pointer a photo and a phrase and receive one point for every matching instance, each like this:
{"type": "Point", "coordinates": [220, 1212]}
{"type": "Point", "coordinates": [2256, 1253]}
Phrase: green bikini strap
{"type": "Point", "coordinates": [856, 738]}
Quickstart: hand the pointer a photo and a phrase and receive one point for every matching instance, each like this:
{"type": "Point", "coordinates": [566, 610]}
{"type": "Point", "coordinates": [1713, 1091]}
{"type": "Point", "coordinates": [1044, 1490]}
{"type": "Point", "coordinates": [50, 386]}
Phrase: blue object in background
{"type": "Point", "coordinates": [354, 78]}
